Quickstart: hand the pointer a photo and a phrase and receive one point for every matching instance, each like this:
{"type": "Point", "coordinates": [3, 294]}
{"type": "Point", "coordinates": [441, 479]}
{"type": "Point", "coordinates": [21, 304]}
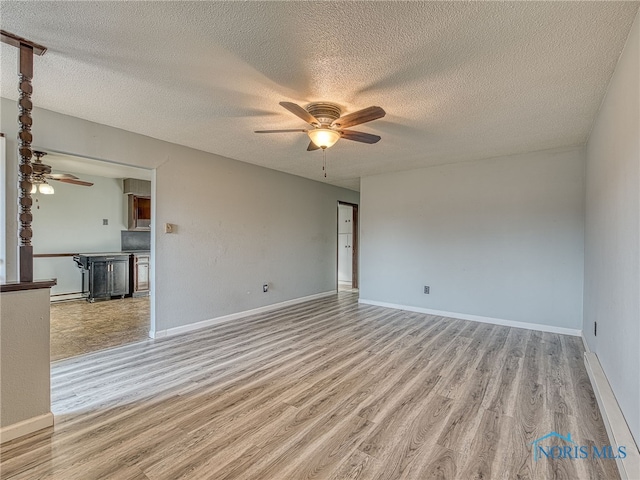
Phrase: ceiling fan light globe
{"type": "Point", "coordinates": [46, 189]}
{"type": "Point", "coordinates": [324, 137]}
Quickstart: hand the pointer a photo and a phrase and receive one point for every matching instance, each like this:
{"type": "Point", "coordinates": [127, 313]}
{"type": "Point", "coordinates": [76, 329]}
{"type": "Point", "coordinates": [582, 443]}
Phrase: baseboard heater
{"type": "Point", "coordinates": [60, 297]}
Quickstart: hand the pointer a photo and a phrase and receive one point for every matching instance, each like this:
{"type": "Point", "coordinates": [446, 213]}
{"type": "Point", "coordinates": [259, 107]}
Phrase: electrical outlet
{"type": "Point", "coordinates": [265, 287]}
{"type": "Point", "coordinates": [426, 289]}
{"type": "Point", "coordinates": [105, 221]}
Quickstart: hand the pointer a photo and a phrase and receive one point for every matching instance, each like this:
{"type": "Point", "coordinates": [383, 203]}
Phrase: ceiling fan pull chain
{"type": "Point", "coordinates": [324, 162]}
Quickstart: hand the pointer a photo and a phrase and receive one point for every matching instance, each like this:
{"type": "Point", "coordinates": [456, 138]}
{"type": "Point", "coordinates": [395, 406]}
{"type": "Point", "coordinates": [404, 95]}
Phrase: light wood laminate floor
{"type": "Point", "coordinates": [328, 389]}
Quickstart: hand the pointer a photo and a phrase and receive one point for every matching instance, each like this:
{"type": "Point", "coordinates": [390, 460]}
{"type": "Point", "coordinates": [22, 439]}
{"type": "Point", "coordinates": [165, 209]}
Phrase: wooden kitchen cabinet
{"type": "Point", "coordinates": [139, 213]}
{"type": "Point", "coordinates": [140, 273]}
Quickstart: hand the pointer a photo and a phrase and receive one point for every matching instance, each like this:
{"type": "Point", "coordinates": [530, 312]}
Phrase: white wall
{"type": "Point", "coordinates": [499, 238]}
{"type": "Point", "coordinates": [71, 221]}
{"type": "Point", "coordinates": [612, 233]}
{"type": "Point", "coordinates": [238, 225]}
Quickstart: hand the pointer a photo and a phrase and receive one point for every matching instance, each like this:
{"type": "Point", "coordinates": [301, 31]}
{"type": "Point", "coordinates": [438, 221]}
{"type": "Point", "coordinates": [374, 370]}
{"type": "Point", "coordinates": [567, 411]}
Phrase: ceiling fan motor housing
{"type": "Point", "coordinates": [41, 168]}
{"type": "Point", "coordinates": [325, 112]}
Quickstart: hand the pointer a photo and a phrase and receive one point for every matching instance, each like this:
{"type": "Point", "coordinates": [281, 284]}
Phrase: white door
{"type": "Point", "coordinates": [345, 219]}
{"type": "Point", "coordinates": [344, 257]}
{"type": "Point", "coordinates": [345, 248]}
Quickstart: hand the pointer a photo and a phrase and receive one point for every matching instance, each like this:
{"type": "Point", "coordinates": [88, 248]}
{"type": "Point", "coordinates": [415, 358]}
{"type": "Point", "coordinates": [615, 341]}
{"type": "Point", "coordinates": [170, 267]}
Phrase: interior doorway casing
{"type": "Point", "coordinates": [84, 164]}
{"type": "Point", "coordinates": [152, 259]}
{"type": "Point", "coordinates": [354, 244]}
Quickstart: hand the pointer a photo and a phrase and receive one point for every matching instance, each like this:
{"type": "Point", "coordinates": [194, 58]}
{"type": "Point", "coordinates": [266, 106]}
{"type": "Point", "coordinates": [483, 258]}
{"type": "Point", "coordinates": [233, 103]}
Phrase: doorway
{"type": "Point", "coordinates": [347, 247]}
{"type": "Point", "coordinates": [92, 220]}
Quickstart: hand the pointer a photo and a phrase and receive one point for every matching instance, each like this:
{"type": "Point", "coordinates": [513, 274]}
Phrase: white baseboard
{"type": "Point", "coordinates": [25, 427]}
{"type": "Point", "coordinates": [477, 318]}
{"type": "Point", "coordinates": [614, 422]}
{"type": "Point", "coordinates": [234, 316]}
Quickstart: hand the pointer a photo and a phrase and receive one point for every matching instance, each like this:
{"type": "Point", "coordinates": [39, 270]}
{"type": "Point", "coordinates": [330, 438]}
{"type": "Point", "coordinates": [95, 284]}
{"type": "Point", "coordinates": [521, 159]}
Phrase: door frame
{"type": "Point", "coordinates": [354, 241]}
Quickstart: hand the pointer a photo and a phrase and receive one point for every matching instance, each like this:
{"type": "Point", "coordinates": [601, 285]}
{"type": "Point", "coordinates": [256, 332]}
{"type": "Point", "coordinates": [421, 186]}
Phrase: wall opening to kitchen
{"type": "Point", "coordinates": [92, 233]}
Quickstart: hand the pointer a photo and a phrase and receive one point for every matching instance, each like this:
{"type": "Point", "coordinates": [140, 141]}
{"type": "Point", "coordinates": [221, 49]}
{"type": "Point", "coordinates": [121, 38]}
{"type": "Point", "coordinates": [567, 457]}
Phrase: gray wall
{"type": "Point", "coordinates": [70, 221]}
{"type": "Point", "coordinates": [24, 356]}
{"type": "Point", "coordinates": [499, 238]}
{"type": "Point", "coordinates": [612, 234]}
{"type": "Point", "coordinates": [238, 225]}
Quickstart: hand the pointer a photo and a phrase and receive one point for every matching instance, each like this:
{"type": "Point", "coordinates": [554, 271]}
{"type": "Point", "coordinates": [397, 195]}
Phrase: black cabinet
{"type": "Point", "coordinates": [104, 276]}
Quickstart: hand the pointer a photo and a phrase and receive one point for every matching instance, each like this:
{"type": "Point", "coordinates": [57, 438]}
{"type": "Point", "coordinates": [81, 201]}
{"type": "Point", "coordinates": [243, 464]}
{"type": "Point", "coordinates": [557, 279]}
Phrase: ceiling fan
{"type": "Point", "coordinates": [328, 125]}
{"type": "Point", "coordinates": [42, 173]}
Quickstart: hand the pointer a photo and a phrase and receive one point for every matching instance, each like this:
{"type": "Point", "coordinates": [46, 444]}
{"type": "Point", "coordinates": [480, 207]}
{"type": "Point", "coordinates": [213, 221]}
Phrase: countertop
{"type": "Point", "coordinates": [114, 254]}
{"type": "Point", "coordinates": [103, 254]}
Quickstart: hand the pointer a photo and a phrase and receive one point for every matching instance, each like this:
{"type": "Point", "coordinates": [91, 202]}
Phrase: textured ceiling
{"type": "Point", "coordinates": [61, 163]}
{"type": "Point", "coordinates": [459, 81]}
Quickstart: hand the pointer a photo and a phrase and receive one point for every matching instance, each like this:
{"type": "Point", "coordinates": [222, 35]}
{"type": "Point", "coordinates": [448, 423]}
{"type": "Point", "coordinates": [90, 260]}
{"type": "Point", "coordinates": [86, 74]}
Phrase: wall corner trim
{"type": "Point", "coordinates": [585, 343]}
{"type": "Point", "coordinates": [25, 427]}
{"type": "Point", "coordinates": [234, 316]}
{"type": "Point", "coordinates": [477, 318]}
{"type": "Point", "coordinates": [614, 421]}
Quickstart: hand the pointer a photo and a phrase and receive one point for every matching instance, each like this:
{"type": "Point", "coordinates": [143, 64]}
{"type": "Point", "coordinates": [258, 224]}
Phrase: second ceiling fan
{"type": "Point", "coordinates": [42, 173]}
{"type": "Point", "coordinates": [328, 125]}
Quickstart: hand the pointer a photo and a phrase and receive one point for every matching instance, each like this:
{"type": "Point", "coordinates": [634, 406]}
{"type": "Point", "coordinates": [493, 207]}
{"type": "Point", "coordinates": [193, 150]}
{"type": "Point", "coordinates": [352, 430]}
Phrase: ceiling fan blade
{"type": "Point", "coordinates": [58, 176]}
{"type": "Point", "coordinates": [281, 131]}
{"type": "Point", "coordinates": [72, 181]}
{"type": "Point", "coordinates": [312, 146]}
{"type": "Point", "coordinates": [359, 136]}
{"type": "Point", "coordinates": [300, 112]}
{"type": "Point", "coordinates": [361, 116]}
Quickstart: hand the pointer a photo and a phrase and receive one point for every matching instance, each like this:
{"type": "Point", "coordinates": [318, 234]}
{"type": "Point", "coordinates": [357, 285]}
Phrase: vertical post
{"type": "Point", "coordinates": [25, 169]}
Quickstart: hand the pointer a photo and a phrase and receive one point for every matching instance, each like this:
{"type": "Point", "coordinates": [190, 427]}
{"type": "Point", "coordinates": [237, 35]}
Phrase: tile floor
{"type": "Point", "coordinates": [79, 327]}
